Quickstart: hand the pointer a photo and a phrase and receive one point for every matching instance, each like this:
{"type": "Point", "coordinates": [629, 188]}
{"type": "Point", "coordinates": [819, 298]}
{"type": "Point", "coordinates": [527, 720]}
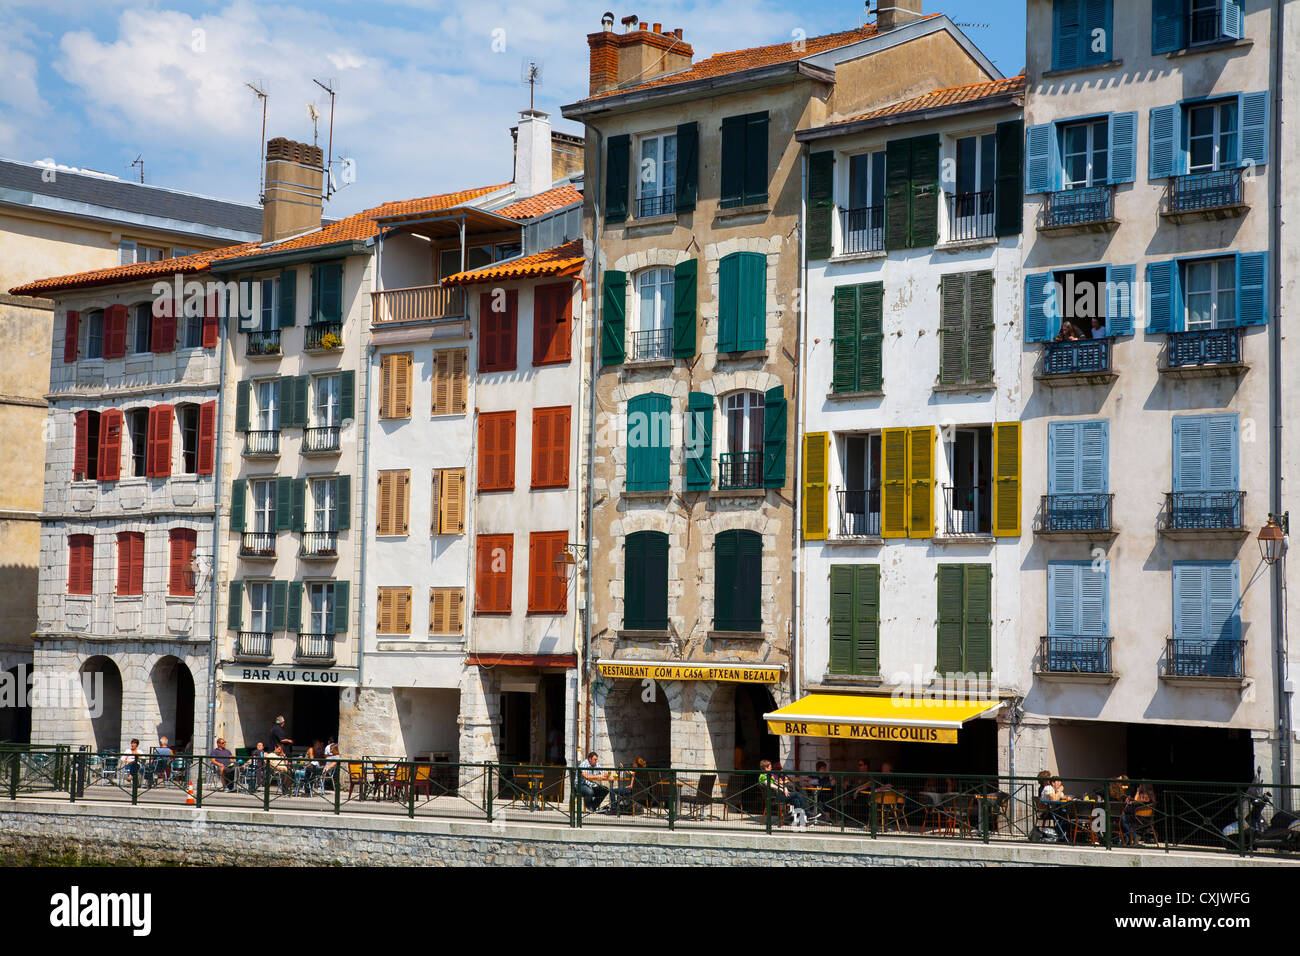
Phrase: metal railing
{"type": "Point", "coordinates": [740, 470]}
{"type": "Point", "coordinates": [418, 304]}
{"type": "Point", "coordinates": [314, 336]}
{"type": "Point", "coordinates": [664, 204]}
{"type": "Point", "coordinates": [257, 544]}
{"type": "Point", "coordinates": [1203, 25]}
{"type": "Point", "coordinates": [1199, 191]}
{"type": "Point", "coordinates": [1074, 655]}
{"type": "Point", "coordinates": [1201, 658]}
{"type": "Point", "coordinates": [314, 647]}
{"type": "Point", "coordinates": [261, 443]}
{"type": "Point", "coordinates": [253, 644]}
{"type": "Point", "coordinates": [862, 230]}
{"type": "Point", "coordinates": [263, 343]}
{"type": "Point", "coordinates": [859, 512]}
{"type": "Point", "coordinates": [1077, 358]}
{"type": "Point", "coordinates": [651, 344]}
{"type": "Point", "coordinates": [319, 544]}
{"type": "Point", "coordinates": [320, 438]}
{"type": "Point", "coordinates": [1204, 347]}
{"type": "Point", "coordinates": [1083, 206]}
{"type": "Point", "coordinates": [971, 216]}
{"type": "Point", "coordinates": [968, 509]}
{"type": "Point", "coordinates": [1202, 511]}
{"type": "Point", "coordinates": [1075, 512]}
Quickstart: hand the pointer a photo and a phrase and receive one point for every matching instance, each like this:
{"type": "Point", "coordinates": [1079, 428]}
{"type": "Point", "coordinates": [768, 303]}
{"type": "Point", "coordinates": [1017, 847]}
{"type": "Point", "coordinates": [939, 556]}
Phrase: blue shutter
{"type": "Point", "coordinates": [1120, 281]}
{"type": "Point", "coordinates": [1096, 17]}
{"type": "Point", "coordinates": [1063, 458]}
{"type": "Point", "coordinates": [1164, 308]}
{"type": "Point", "coordinates": [1094, 599]}
{"type": "Point", "coordinates": [1189, 457]}
{"type": "Point", "coordinates": [1067, 27]}
{"type": "Point", "coordinates": [1252, 288]}
{"type": "Point", "coordinates": [1094, 458]}
{"type": "Point", "coordinates": [1190, 586]}
{"type": "Point", "coordinates": [1123, 147]}
{"type": "Point", "coordinates": [1252, 108]}
{"type": "Point", "coordinates": [1040, 158]}
{"type": "Point", "coordinates": [1165, 157]}
{"type": "Point", "coordinates": [1230, 19]}
{"type": "Point", "coordinates": [1042, 314]}
{"type": "Point", "coordinates": [1062, 599]}
{"type": "Point", "coordinates": [1168, 25]}
{"type": "Point", "coordinates": [1222, 616]}
{"type": "Point", "coordinates": [1221, 453]}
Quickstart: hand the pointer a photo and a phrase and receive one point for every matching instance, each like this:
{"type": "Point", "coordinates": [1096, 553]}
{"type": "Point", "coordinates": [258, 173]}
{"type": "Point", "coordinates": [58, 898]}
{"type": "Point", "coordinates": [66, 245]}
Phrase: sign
{"type": "Point", "coordinates": [304, 676]}
{"type": "Point", "coordinates": [733, 673]}
{"type": "Point", "coordinates": [890, 732]}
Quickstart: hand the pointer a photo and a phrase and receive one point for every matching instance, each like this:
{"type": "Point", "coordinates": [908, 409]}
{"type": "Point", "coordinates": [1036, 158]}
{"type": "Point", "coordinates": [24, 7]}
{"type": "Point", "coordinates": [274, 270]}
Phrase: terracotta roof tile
{"type": "Point", "coordinates": [198, 262]}
{"type": "Point", "coordinates": [950, 96]}
{"type": "Point", "coordinates": [541, 204]}
{"type": "Point", "coordinates": [563, 260]}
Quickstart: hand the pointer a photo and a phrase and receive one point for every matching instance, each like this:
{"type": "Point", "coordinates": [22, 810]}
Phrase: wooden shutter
{"type": "Point", "coordinates": [648, 450]}
{"type": "Point", "coordinates": [725, 560]}
{"type": "Point", "coordinates": [547, 587]}
{"type": "Point", "coordinates": [1164, 155]}
{"type": "Point", "coordinates": [774, 430]}
{"type": "Point", "coordinates": [130, 562]}
{"type": "Point", "coordinates": [391, 489]}
{"type": "Point", "coordinates": [951, 618]}
{"type": "Point", "coordinates": [163, 334]}
{"type": "Point", "coordinates": [401, 395]}
{"type": "Point", "coordinates": [496, 451]}
{"type": "Point", "coordinates": [386, 386]}
{"type": "Point", "coordinates": [1121, 281]}
{"type": "Point", "coordinates": [613, 320]}
{"type": "Point", "coordinates": [541, 448]}
{"type": "Point", "coordinates": [952, 329]}
{"type": "Point", "coordinates": [1006, 479]}
{"type": "Point", "coordinates": [287, 289]}
{"type": "Point", "coordinates": [207, 437]}
{"type": "Point", "coordinates": [925, 191]}
{"type": "Point", "coordinates": [347, 394]}
{"type": "Point", "coordinates": [893, 483]}
{"type": "Point", "coordinates": [1164, 298]}
{"type": "Point", "coordinates": [301, 390]}
{"type": "Point", "coordinates": [459, 381]}
{"type": "Point", "coordinates": [1041, 158]}
{"type": "Point", "coordinates": [1168, 25]}
{"type": "Point", "coordinates": [551, 447]}
{"type": "Point", "coordinates": [235, 606]}
{"type": "Point", "coordinates": [110, 445]}
{"type": "Point", "coordinates": [328, 284]}
{"type": "Point", "coordinates": [752, 320]}
{"type": "Point", "coordinates": [402, 610]}
{"type": "Point", "coordinates": [294, 622]}
{"type": "Point", "coordinates": [279, 605]}
{"type": "Point", "coordinates": [898, 194]}
{"type": "Point", "coordinates": [920, 481]}
{"type": "Point", "coordinates": [1067, 30]}
{"type": "Point", "coordinates": [81, 564]}
{"type": "Point", "coordinates": [1042, 309]}
{"type": "Point", "coordinates": [211, 318]}
{"type": "Point", "coordinates": [1252, 288]}
{"type": "Point", "coordinates": [492, 587]}
{"type": "Point", "coordinates": [821, 204]}
{"type": "Point", "coordinates": [866, 619]}
{"type": "Point", "coordinates": [437, 611]}
{"type": "Point", "coordinates": [685, 275]}
{"type": "Point", "coordinates": [756, 126]}
{"type": "Point", "coordinates": [871, 307]}
{"type": "Point", "coordinates": [1253, 113]}
{"type": "Point", "coordinates": [180, 577]}
{"type": "Point", "coordinates": [978, 619]}
{"type": "Point", "coordinates": [498, 351]}
{"type": "Point", "coordinates": [81, 445]}
{"type": "Point", "coordinates": [446, 610]}
{"type": "Point", "coordinates": [841, 623]}
{"type": "Point", "coordinates": [384, 611]}
{"type": "Point", "coordinates": [283, 503]}
{"type": "Point", "coordinates": [442, 382]}
{"type": "Point", "coordinates": [979, 327]}
{"type": "Point", "coordinates": [733, 162]}
{"type": "Point", "coordinates": [1008, 201]}
{"type": "Point", "coordinates": [401, 502]}
{"type": "Point", "coordinates": [243, 401]}
{"type": "Point", "coordinates": [553, 324]}
{"type": "Point", "coordinates": [617, 153]}
{"type": "Point", "coordinates": [844, 340]}
{"type": "Point", "coordinates": [1123, 147]}
{"type": "Point", "coordinates": [698, 449]}
{"type": "Point", "coordinates": [340, 613]}
{"type": "Point", "coordinates": [729, 303]}
{"type": "Point", "coordinates": [645, 600]}
{"type": "Point", "coordinates": [343, 502]}
{"type": "Point", "coordinates": [749, 581]}
{"type": "Point", "coordinates": [688, 165]}
{"type": "Point", "coordinates": [816, 512]}
{"type": "Point", "coordinates": [71, 333]}
{"type": "Point", "coordinates": [449, 501]}
{"type": "Point", "coordinates": [238, 503]}
{"type": "Point", "coordinates": [158, 447]}
{"type": "Point", "coordinates": [115, 331]}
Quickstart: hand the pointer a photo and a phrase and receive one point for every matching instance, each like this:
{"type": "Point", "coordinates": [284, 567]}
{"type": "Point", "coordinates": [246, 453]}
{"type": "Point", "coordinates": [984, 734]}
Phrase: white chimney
{"type": "Point", "coordinates": [533, 154]}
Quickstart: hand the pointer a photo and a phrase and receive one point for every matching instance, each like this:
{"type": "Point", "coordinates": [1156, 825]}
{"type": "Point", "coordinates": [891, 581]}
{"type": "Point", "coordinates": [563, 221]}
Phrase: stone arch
{"type": "Point", "coordinates": [101, 687]}
{"type": "Point", "coordinates": [174, 695]}
{"type": "Point", "coordinates": [638, 719]}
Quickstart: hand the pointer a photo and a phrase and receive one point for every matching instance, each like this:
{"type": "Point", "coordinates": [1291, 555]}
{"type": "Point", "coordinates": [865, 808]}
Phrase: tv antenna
{"type": "Point", "coordinates": [531, 73]}
{"type": "Point", "coordinates": [261, 144]}
{"type": "Point", "coordinates": [329, 152]}
{"type": "Point", "coordinates": [139, 161]}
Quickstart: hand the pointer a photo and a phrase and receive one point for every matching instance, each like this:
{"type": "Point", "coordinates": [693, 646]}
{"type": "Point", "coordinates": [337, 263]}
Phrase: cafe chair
{"type": "Point", "coordinates": [552, 785]}
{"type": "Point", "coordinates": [889, 803]}
{"type": "Point", "coordinates": [702, 797]}
{"type": "Point", "coordinates": [356, 777]}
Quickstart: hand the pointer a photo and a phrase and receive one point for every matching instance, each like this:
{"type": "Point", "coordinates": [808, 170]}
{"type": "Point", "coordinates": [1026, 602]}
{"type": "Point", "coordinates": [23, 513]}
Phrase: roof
{"type": "Point", "coordinates": [950, 96]}
{"type": "Point", "coordinates": [542, 203]}
{"type": "Point", "coordinates": [185, 265]}
{"type": "Point", "coordinates": [565, 260]}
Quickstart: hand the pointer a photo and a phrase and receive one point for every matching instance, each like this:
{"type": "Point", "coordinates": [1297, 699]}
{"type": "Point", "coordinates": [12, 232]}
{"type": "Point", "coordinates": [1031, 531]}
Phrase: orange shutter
{"type": "Point", "coordinates": [547, 588]}
{"type": "Point", "coordinates": [386, 386]}
{"type": "Point", "coordinates": [402, 501]}
{"type": "Point", "coordinates": [386, 505]}
{"type": "Point", "coordinates": [435, 503]}
{"type": "Point", "coordinates": [207, 436]}
{"type": "Point", "coordinates": [81, 446]}
{"type": "Point", "coordinates": [158, 452]}
{"type": "Point", "coordinates": [384, 612]}
{"type": "Point", "coordinates": [441, 382]}
{"type": "Point", "coordinates": [459, 381]}
{"type": "Point", "coordinates": [404, 611]}
{"type": "Point", "coordinates": [493, 565]}
{"type": "Point", "coordinates": [110, 445]}
{"type": "Point", "coordinates": [541, 447]}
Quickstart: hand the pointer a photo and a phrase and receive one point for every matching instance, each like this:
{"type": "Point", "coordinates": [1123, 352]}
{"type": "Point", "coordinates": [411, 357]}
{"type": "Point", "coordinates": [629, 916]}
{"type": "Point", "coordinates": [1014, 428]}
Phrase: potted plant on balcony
{"type": "Point", "coordinates": [330, 341]}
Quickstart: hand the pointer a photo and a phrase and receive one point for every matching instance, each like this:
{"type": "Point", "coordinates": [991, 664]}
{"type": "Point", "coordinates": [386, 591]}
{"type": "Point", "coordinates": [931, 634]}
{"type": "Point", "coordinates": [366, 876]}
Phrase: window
{"type": "Point", "coordinates": [645, 581]}
{"type": "Point", "coordinates": [551, 447]}
{"type": "Point", "coordinates": [649, 442]}
{"type": "Point", "coordinates": [867, 180]}
{"type": "Point", "coordinates": [259, 606]}
{"type": "Point", "coordinates": [1085, 154]}
{"type": "Point", "coordinates": [968, 503]}
{"type": "Point", "coordinates": [1205, 457]}
{"type": "Point", "coordinates": [653, 338]}
{"type": "Point", "coordinates": [966, 328]}
{"type": "Point", "coordinates": [744, 160]}
{"type": "Point", "coordinates": [859, 504]}
{"type": "Point", "coordinates": [395, 385]}
{"type": "Point", "coordinates": [755, 440]}
{"type": "Point", "coordinates": [668, 169]}
{"type": "Point", "coordinates": [552, 323]}
{"type": "Point", "coordinates": [506, 250]}
{"type": "Point", "coordinates": [496, 451]}
{"type": "Point", "coordinates": [1078, 599]}
{"type": "Point", "coordinates": [263, 494]}
{"type": "Point", "coordinates": [742, 302]}
{"type": "Point", "coordinates": [965, 619]}
{"type": "Point", "coordinates": [130, 563]}
{"type": "Point", "coordinates": [1206, 605]}
{"type": "Point", "coordinates": [270, 301]}
{"type": "Point", "coordinates": [1211, 137]}
{"type": "Point", "coordinates": [267, 394]}
{"type": "Point", "coordinates": [973, 202]}
{"type": "Point", "coordinates": [142, 328]}
{"type": "Point", "coordinates": [325, 404]}
{"type": "Point", "coordinates": [858, 338]}
{"type": "Point", "coordinates": [193, 338]}
{"type": "Point", "coordinates": [393, 611]}
{"type": "Point", "coordinates": [1096, 302]}
{"type": "Point", "coordinates": [324, 504]}
{"type": "Point", "coordinates": [394, 502]}
{"type": "Point", "coordinates": [548, 586]}
{"type": "Point", "coordinates": [137, 423]}
{"type": "Point", "coordinates": [498, 325]}
{"type": "Point", "coordinates": [657, 175]}
{"type": "Point", "coordinates": [447, 611]}
{"type": "Point", "coordinates": [738, 575]}
{"type": "Point", "coordinates": [81, 564]}
{"type": "Point", "coordinates": [94, 335]}
{"type": "Point", "coordinates": [180, 575]}
{"type": "Point", "coordinates": [494, 559]}
{"type": "Point", "coordinates": [85, 465]}
{"type": "Point", "coordinates": [326, 294]}
{"type": "Point", "coordinates": [1078, 458]}
{"type": "Point", "coordinates": [187, 417]}
{"type": "Point", "coordinates": [1212, 293]}
{"type": "Point", "coordinates": [912, 192]}
{"type": "Point", "coordinates": [855, 619]}
{"type": "Point", "coordinates": [744, 412]}
{"type": "Point", "coordinates": [1081, 33]}
{"type": "Point", "coordinates": [150, 254]}
{"type": "Point", "coordinates": [320, 608]}
{"type": "Point", "coordinates": [1178, 24]}
{"type": "Point", "coordinates": [448, 501]}
{"type": "Point", "coordinates": [450, 381]}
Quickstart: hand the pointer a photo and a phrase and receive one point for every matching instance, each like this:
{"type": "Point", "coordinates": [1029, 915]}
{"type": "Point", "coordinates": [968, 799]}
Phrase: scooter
{"type": "Point", "coordinates": [1251, 810]}
{"type": "Point", "coordinates": [1282, 832]}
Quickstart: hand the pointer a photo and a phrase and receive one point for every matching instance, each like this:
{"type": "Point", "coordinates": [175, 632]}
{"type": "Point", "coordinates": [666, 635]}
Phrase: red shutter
{"type": "Point", "coordinates": [207, 436]}
{"type": "Point", "coordinates": [114, 331]}
{"type": "Point", "coordinates": [552, 312]}
{"type": "Point", "coordinates": [536, 586]}
{"type": "Point", "coordinates": [130, 563]}
{"type": "Point", "coordinates": [70, 332]}
{"type": "Point", "coordinates": [546, 585]}
{"type": "Point", "coordinates": [560, 447]}
{"type": "Point", "coordinates": [81, 455]}
{"type": "Point", "coordinates": [506, 452]}
{"type": "Point", "coordinates": [210, 325]}
{"type": "Point", "coordinates": [180, 579]}
{"type": "Point", "coordinates": [110, 445]}
{"type": "Point", "coordinates": [487, 333]}
{"type": "Point", "coordinates": [496, 451]}
{"type": "Point", "coordinates": [158, 449]}
{"type": "Point", "coordinates": [163, 336]}
{"type": "Point", "coordinates": [497, 349]}
{"type": "Point", "coordinates": [492, 588]}
{"type": "Point", "coordinates": [81, 564]}
{"type": "Point", "coordinates": [509, 345]}
{"type": "Point", "coordinates": [541, 447]}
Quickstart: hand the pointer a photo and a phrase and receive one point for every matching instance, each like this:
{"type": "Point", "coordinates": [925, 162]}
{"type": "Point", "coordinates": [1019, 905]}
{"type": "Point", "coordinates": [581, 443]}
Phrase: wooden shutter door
{"type": "Point", "coordinates": [733, 161]}
{"type": "Point", "coordinates": [115, 331]}
{"type": "Point", "coordinates": [617, 155]}
{"type": "Point", "coordinates": [541, 448]}
{"type": "Point", "coordinates": [871, 302]}
{"type": "Point", "coordinates": [844, 343]}
{"type": "Point", "coordinates": [979, 327]}
{"type": "Point", "coordinates": [613, 321]}
{"type": "Point", "coordinates": [841, 625]}
{"type": "Point", "coordinates": [816, 509]}
{"type": "Point", "coordinates": [294, 623]}
{"type": "Point", "coordinates": [725, 559]}
{"type": "Point", "coordinates": [952, 329]}
{"type": "Point", "coordinates": [685, 280]}
{"type": "Point", "coordinates": [502, 580]}
{"type": "Point", "coordinates": [538, 589]}
{"type": "Point", "coordinates": [898, 194]}
{"type": "Point", "coordinates": [207, 437]}
{"type": "Point", "coordinates": [1220, 453]}
{"type": "Point", "coordinates": [442, 382]}
{"type": "Point", "coordinates": [81, 445]}
{"type": "Point", "coordinates": [459, 381]}
{"type": "Point", "coordinates": [559, 451]}
{"type": "Point", "coordinates": [235, 606]}
{"type": "Point", "coordinates": [1062, 599]}
{"type": "Point", "coordinates": [729, 303]}
{"type": "Point", "coordinates": [656, 581]}
{"type": "Point", "coordinates": [893, 483]}
{"type": "Point", "coordinates": [110, 445]}
{"type": "Point", "coordinates": [1063, 458]}
{"type": "Point", "coordinates": [978, 657]}
{"type": "Point", "coordinates": [866, 619]}
{"type": "Point", "coordinates": [71, 333]}
{"type": "Point", "coordinates": [752, 330]}
{"type": "Point", "coordinates": [821, 204]}
{"type": "Point", "coordinates": [342, 616]}
{"type": "Point", "coordinates": [920, 483]}
{"type": "Point", "coordinates": [506, 457]}
{"type": "Point", "coordinates": [688, 165]}
{"type": "Point", "coordinates": [283, 503]}
{"type": "Point", "coordinates": [1094, 600]}
{"type": "Point", "coordinates": [635, 581]}
{"type": "Point", "coordinates": [925, 191]}
{"type": "Point", "coordinates": [951, 618]}
{"type": "Point", "coordinates": [749, 581]}
{"type": "Point", "coordinates": [279, 605]}
{"type": "Point", "coordinates": [238, 503]}
{"type": "Point", "coordinates": [699, 441]}
{"type": "Point", "coordinates": [774, 429]}
{"type": "Point", "coordinates": [1093, 457]}
{"type": "Point", "coordinates": [386, 386]}
{"type": "Point", "coordinates": [1009, 197]}
{"type": "Point", "coordinates": [158, 450]}
{"type": "Point", "coordinates": [544, 319]}
{"type": "Point", "coordinates": [1006, 479]}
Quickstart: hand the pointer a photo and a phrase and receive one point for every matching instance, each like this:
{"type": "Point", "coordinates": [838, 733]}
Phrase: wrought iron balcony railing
{"type": "Point", "coordinates": [971, 216]}
{"type": "Point", "coordinates": [651, 344]}
{"type": "Point", "coordinates": [319, 544]}
{"type": "Point", "coordinates": [1202, 511]}
{"type": "Point", "coordinates": [1203, 25]}
{"type": "Point", "coordinates": [1061, 513]}
{"type": "Point", "coordinates": [1084, 357]}
{"type": "Point", "coordinates": [862, 230]}
{"type": "Point", "coordinates": [1204, 347]}
{"type": "Point", "coordinates": [323, 337]}
{"type": "Point", "coordinates": [257, 544]}
{"type": "Point", "coordinates": [1074, 655]}
{"type": "Point", "coordinates": [740, 470]}
{"type": "Point", "coordinates": [314, 647]}
{"type": "Point", "coordinates": [255, 645]}
{"type": "Point", "coordinates": [263, 343]}
{"type": "Point", "coordinates": [1196, 192]}
{"type": "Point", "coordinates": [261, 443]}
{"type": "Point", "coordinates": [1083, 206]}
{"type": "Point", "coordinates": [1204, 658]}
{"type": "Point", "coordinates": [860, 512]}
{"type": "Point", "coordinates": [968, 509]}
{"type": "Point", "coordinates": [320, 438]}
{"type": "Point", "coordinates": [664, 204]}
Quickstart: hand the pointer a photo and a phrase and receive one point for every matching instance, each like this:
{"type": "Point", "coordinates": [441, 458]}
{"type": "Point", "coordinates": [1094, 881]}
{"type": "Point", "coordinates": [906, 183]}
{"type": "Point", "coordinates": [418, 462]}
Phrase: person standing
{"type": "Point", "coordinates": [279, 735]}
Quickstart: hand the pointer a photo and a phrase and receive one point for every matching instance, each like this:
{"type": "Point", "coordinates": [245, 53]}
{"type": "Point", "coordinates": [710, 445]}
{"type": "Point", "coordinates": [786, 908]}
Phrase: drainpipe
{"type": "Point", "coordinates": [797, 585]}
{"type": "Point", "coordinates": [584, 668]}
{"type": "Point", "coordinates": [223, 330]}
{"type": "Point", "coordinates": [365, 501]}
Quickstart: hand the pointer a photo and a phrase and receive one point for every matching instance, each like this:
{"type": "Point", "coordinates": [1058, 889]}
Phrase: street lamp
{"type": "Point", "coordinates": [1272, 538]}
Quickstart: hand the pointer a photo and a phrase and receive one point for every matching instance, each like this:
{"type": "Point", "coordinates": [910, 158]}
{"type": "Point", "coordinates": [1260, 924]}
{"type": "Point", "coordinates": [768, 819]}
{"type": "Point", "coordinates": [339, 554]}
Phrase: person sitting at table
{"type": "Point", "coordinates": [277, 764]}
{"type": "Point", "coordinates": [591, 783]}
{"type": "Point", "coordinates": [1044, 786]}
{"type": "Point", "coordinates": [330, 762]}
{"type": "Point", "coordinates": [131, 759]}
{"type": "Point", "coordinates": [777, 786]}
{"type": "Point", "coordinates": [223, 764]}
{"type": "Point", "coordinates": [860, 783]}
{"type": "Point", "coordinates": [255, 767]}
{"type": "Point", "coordinates": [1058, 794]}
{"type": "Point", "coordinates": [885, 778]}
{"type": "Point", "coordinates": [822, 786]}
{"type": "Point", "coordinates": [1128, 821]}
{"type": "Point", "coordinates": [308, 770]}
{"type": "Point", "coordinates": [162, 762]}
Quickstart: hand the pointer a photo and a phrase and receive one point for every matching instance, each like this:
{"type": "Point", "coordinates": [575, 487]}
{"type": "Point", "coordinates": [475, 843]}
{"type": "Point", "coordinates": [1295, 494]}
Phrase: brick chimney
{"type": "Point", "coordinates": [294, 177]}
{"type": "Point", "coordinates": [642, 52]}
{"type": "Point", "coordinates": [896, 13]}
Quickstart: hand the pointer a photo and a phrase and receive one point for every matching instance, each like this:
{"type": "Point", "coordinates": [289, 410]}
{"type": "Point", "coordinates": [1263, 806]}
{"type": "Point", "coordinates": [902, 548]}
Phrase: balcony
{"type": "Point", "coordinates": [859, 512]}
{"type": "Point", "coordinates": [1077, 211]}
{"type": "Point", "coordinates": [314, 648]}
{"type": "Point", "coordinates": [320, 545]}
{"type": "Point", "coordinates": [423, 303]}
{"type": "Point", "coordinates": [1205, 196]}
{"type": "Point", "coordinates": [1203, 515]}
{"type": "Point", "coordinates": [970, 216]}
{"type": "Point", "coordinates": [1205, 353]}
{"type": "Point", "coordinates": [647, 207]}
{"type": "Point", "coordinates": [1084, 517]}
{"type": "Point", "coordinates": [740, 470]}
{"type": "Point", "coordinates": [263, 344]}
{"type": "Point", "coordinates": [261, 444]}
{"type": "Point", "coordinates": [1086, 362]}
{"type": "Point", "coordinates": [257, 544]}
{"type": "Point", "coordinates": [320, 440]}
{"type": "Point", "coordinates": [253, 646]}
{"type": "Point", "coordinates": [968, 511]}
{"type": "Point", "coordinates": [323, 337]}
{"type": "Point", "coordinates": [652, 345]}
{"type": "Point", "coordinates": [862, 230]}
{"type": "Point", "coordinates": [1205, 662]}
{"type": "Point", "coordinates": [1066, 658]}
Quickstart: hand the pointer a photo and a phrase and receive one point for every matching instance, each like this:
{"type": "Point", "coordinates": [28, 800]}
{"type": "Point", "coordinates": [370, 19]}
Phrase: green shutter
{"type": "Point", "coordinates": [1008, 202]}
{"type": "Point", "coordinates": [343, 502]}
{"type": "Point", "coordinates": [340, 623]}
{"type": "Point", "coordinates": [748, 606]}
{"type": "Point", "coordinates": [844, 343]}
{"type": "Point", "coordinates": [684, 284]}
{"type": "Point", "coordinates": [616, 169]}
{"type": "Point", "coordinates": [648, 447]}
{"type": "Point", "coordinates": [279, 604]}
{"type": "Point", "coordinates": [755, 158]}
{"type": "Point", "coordinates": [925, 191]}
{"type": "Point", "coordinates": [698, 435]}
{"type": "Point", "coordinates": [752, 302]}
{"type": "Point", "coordinates": [978, 656]}
{"type": "Point", "coordinates": [283, 504]}
{"type": "Point", "coordinates": [729, 303]}
{"type": "Point", "coordinates": [613, 320]}
{"type": "Point", "coordinates": [284, 402]}
{"type": "Point", "coordinates": [842, 609]}
{"type": "Point", "coordinates": [871, 316]}
{"type": "Point", "coordinates": [688, 165]}
{"type": "Point", "coordinates": [655, 587]}
{"type": "Point", "coordinates": [774, 426]}
{"type": "Point", "coordinates": [301, 389]}
{"type": "Point", "coordinates": [634, 581]}
{"type": "Point", "coordinates": [951, 619]}
{"type": "Point", "coordinates": [733, 162]}
{"type": "Point", "coordinates": [236, 309]}
{"type": "Point", "coordinates": [235, 606]}
{"type": "Point", "coordinates": [866, 619]}
{"type": "Point", "coordinates": [724, 579]}
{"type": "Point", "coordinates": [298, 507]}
{"type": "Point", "coordinates": [979, 328]}
{"type": "Point", "coordinates": [952, 328]}
{"type": "Point", "coordinates": [330, 307]}
{"type": "Point", "coordinates": [243, 398]}
{"type": "Point", "coordinates": [295, 606]}
{"type": "Point", "coordinates": [238, 496]}
{"type": "Point", "coordinates": [347, 395]}
{"type": "Point", "coordinates": [821, 204]}
{"type": "Point", "coordinates": [898, 194]}
{"type": "Point", "coordinates": [288, 297]}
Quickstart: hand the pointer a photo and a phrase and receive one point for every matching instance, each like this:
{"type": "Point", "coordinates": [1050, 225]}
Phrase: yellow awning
{"type": "Point", "coordinates": [912, 720]}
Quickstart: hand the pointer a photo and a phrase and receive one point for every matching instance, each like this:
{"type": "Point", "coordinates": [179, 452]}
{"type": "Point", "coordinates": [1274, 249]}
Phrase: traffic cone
{"type": "Point", "coordinates": [189, 795]}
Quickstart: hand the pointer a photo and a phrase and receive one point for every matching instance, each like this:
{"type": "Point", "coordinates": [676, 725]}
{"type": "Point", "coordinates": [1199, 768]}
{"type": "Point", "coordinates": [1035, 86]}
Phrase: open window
{"type": "Point", "coordinates": [741, 465]}
{"type": "Point", "coordinates": [859, 499]}
{"type": "Point", "coordinates": [92, 346]}
{"type": "Point", "coordinates": [187, 416]}
{"type": "Point", "coordinates": [968, 498]}
{"type": "Point", "coordinates": [657, 175]}
{"type": "Point", "coordinates": [141, 335]}
{"type": "Point", "coordinates": [137, 426]}
{"type": "Point", "coordinates": [863, 226]}
{"type": "Point", "coordinates": [653, 338]}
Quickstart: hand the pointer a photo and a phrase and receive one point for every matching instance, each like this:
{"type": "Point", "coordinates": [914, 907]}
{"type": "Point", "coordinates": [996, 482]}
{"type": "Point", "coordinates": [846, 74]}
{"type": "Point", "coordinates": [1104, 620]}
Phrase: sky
{"type": "Point", "coordinates": [426, 90]}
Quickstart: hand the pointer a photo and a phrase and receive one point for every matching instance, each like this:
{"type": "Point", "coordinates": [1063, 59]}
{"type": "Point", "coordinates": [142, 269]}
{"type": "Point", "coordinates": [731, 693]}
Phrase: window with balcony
{"type": "Point", "coordinates": [254, 633]}
{"type": "Point", "coordinates": [259, 533]}
{"type": "Point", "coordinates": [259, 606]}
{"type": "Point", "coordinates": [1206, 495]}
{"type": "Point", "coordinates": [1203, 147]}
{"type": "Point", "coordinates": [321, 537]}
{"type": "Point", "coordinates": [322, 431]}
{"type": "Point", "coordinates": [1078, 495]}
{"type": "Point", "coordinates": [1210, 294]}
{"type": "Point", "coordinates": [1078, 618]}
{"type": "Point", "coordinates": [1182, 24]}
{"type": "Point", "coordinates": [971, 207]}
{"type": "Point", "coordinates": [1077, 163]}
{"type": "Point", "coordinates": [859, 500]}
{"type": "Point", "coordinates": [264, 336]}
{"type": "Point", "coordinates": [657, 175]}
{"type": "Point", "coordinates": [1085, 154]}
{"type": "Point", "coordinates": [968, 499]}
{"type": "Point", "coordinates": [862, 224]}
{"type": "Point", "coordinates": [1207, 621]}
{"type": "Point", "coordinates": [741, 465]}
{"type": "Point", "coordinates": [1207, 296]}
{"type": "Point", "coordinates": [1078, 312]}
{"type": "Point", "coordinates": [260, 416]}
{"type": "Point", "coordinates": [1081, 33]}
{"type": "Point", "coordinates": [653, 338]}
{"type": "Point", "coordinates": [317, 640]}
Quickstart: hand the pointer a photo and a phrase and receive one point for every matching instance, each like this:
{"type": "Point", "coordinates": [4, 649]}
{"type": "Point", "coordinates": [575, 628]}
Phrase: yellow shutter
{"type": "Point", "coordinates": [386, 387]}
{"type": "Point", "coordinates": [437, 611]}
{"type": "Point", "coordinates": [404, 611]}
{"type": "Point", "coordinates": [451, 518]}
{"type": "Point", "coordinates": [1006, 479]}
{"type": "Point", "coordinates": [459, 381]}
{"type": "Point", "coordinates": [401, 502]}
{"type": "Point", "coordinates": [441, 382]}
{"type": "Point", "coordinates": [893, 483]}
{"type": "Point", "coordinates": [920, 481]}
{"type": "Point", "coordinates": [456, 611]}
{"type": "Point", "coordinates": [815, 516]}
{"type": "Point", "coordinates": [385, 503]}
{"type": "Point", "coordinates": [384, 612]}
